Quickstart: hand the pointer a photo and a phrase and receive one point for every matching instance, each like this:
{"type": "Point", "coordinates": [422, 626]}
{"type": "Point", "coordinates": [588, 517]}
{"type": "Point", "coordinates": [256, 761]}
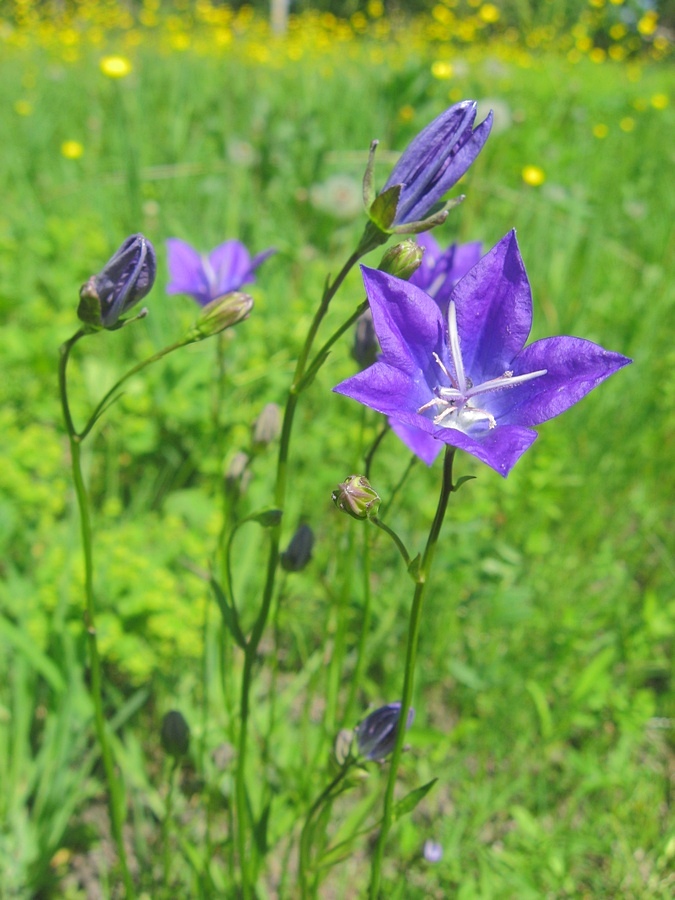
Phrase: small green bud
{"type": "Point", "coordinates": [175, 734]}
{"type": "Point", "coordinates": [221, 313]}
{"type": "Point", "coordinates": [356, 497]}
{"type": "Point", "coordinates": [402, 260]}
{"type": "Point", "coordinates": [266, 427]}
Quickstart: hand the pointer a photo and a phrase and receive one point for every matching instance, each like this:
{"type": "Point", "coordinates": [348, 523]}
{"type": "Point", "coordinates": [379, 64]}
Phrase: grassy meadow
{"type": "Point", "coordinates": [545, 699]}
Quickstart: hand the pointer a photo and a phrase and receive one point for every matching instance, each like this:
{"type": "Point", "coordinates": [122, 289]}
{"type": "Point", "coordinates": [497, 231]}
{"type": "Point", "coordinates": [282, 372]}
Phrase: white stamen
{"type": "Point", "coordinates": [506, 380]}
{"type": "Point", "coordinates": [455, 349]}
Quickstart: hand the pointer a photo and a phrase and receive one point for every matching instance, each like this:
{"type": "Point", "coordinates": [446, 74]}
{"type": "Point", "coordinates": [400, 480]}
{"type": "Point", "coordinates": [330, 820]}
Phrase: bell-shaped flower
{"type": "Point", "coordinates": [410, 201]}
{"type": "Point", "coordinates": [205, 277]}
{"type": "Point", "coordinates": [468, 379]}
{"type": "Point", "coordinates": [126, 278]}
{"type": "Point", "coordinates": [376, 734]}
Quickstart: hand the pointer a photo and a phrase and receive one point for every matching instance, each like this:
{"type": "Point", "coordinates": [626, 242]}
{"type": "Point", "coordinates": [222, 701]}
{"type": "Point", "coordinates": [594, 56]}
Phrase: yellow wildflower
{"type": "Point", "coordinates": [115, 66]}
{"type": "Point", "coordinates": [533, 175]}
{"type": "Point", "coordinates": [72, 149]}
{"type": "Point", "coordinates": [659, 101]}
{"type": "Point", "coordinates": [600, 130]}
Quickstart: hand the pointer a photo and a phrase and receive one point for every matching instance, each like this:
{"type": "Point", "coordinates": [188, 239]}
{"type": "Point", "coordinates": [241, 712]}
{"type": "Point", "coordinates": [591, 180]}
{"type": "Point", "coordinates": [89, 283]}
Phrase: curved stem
{"type": "Point", "coordinates": [251, 651]}
{"type": "Point", "coordinates": [400, 546]}
{"type": "Point", "coordinates": [410, 660]}
{"type": "Point", "coordinates": [166, 824]}
{"type": "Point", "coordinates": [306, 837]}
{"type": "Point", "coordinates": [364, 631]}
{"type": "Point", "coordinates": [115, 791]}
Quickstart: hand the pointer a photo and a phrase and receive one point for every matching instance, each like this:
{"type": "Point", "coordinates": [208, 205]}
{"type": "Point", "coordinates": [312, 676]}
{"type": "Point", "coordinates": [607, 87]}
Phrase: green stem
{"type": "Point", "coordinates": [166, 825]}
{"type": "Point", "coordinates": [364, 630]}
{"type": "Point", "coordinates": [115, 791]}
{"type": "Point", "coordinates": [251, 651]}
{"type": "Point", "coordinates": [410, 660]}
{"type": "Point", "coordinates": [400, 546]}
{"type": "Point", "coordinates": [306, 834]}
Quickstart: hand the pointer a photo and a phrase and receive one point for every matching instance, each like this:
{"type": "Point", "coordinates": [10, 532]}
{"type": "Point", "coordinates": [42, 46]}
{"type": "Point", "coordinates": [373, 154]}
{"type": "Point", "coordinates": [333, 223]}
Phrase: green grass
{"type": "Point", "coordinates": [544, 699]}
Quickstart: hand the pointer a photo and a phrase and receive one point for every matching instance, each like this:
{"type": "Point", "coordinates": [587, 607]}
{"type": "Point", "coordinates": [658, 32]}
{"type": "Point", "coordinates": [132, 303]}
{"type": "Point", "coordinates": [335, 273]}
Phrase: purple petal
{"type": "Point", "coordinates": [408, 323]}
{"type": "Point", "coordinates": [494, 311]}
{"type": "Point", "coordinates": [422, 444]}
{"type": "Point", "coordinates": [500, 448]}
{"type": "Point", "coordinates": [230, 268]}
{"type": "Point", "coordinates": [186, 271]}
{"type": "Point", "coordinates": [387, 389]}
{"type": "Point", "coordinates": [260, 258]}
{"type": "Point", "coordinates": [574, 367]}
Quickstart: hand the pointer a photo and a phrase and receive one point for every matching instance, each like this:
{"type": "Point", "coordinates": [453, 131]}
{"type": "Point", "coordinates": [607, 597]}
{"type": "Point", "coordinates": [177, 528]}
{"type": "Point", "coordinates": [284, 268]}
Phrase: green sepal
{"type": "Point", "coordinates": [89, 311]}
{"type": "Point", "coordinates": [414, 567]}
{"type": "Point", "coordinates": [408, 803]}
{"type": "Point", "coordinates": [382, 211]}
{"type": "Point", "coordinates": [368, 178]}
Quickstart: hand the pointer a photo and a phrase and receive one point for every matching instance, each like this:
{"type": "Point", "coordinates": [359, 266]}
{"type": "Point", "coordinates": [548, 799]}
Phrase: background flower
{"type": "Point", "coordinates": [207, 277]}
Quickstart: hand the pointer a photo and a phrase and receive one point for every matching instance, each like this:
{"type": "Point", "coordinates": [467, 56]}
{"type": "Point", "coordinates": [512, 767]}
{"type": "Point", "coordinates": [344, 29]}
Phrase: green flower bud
{"type": "Point", "coordinates": [402, 259]}
{"type": "Point", "coordinates": [356, 497]}
{"type": "Point", "coordinates": [221, 313]}
{"type": "Point", "coordinates": [175, 734]}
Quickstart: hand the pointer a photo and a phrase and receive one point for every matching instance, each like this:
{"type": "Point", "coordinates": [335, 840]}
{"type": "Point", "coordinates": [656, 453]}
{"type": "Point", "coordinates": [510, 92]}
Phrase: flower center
{"type": "Point", "coordinates": [456, 405]}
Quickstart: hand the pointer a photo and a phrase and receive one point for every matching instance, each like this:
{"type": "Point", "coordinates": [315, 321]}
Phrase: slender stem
{"type": "Point", "coordinates": [306, 834]}
{"type": "Point", "coordinates": [251, 651]}
{"type": "Point", "coordinates": [364, 630]}
{"type": "Point", "coordinates": [166, 825]}
{"type": "Point", "coordinates": [410, 660]}
{"type": "Point", "coordinates": [400, 546]}
{"type": "Point", "coordinates": [115, 791]}
{"type": "Point", "coordinates": [93, 418]}
{"type": "Point", "coordinates": [368, 459]}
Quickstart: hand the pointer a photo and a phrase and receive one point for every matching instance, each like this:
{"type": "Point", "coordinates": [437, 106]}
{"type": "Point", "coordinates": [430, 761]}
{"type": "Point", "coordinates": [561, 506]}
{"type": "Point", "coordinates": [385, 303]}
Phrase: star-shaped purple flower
{"type": "Point", "coordinates": [207, 277]}
{"type": "Point", "coordinates": [430, 165]}
{"type": "Point", "coordinates": [468, 380]}
{"type": "Point", "coordinates": [440, 270]}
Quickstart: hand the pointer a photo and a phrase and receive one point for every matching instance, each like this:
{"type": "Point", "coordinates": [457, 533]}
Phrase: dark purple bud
{"type": "Point", "coordinates": [376, 734]}
{"type": "Point", "coordinates": [366, 347]}
{"type": "Point", "coordinates": [299, 551]}
{"type": "Point", "coordinates": [126, 278]}
{"type": "Point", "coordinates": [356, 497]}
{"type": "Point", "coordinates": [175, 734]}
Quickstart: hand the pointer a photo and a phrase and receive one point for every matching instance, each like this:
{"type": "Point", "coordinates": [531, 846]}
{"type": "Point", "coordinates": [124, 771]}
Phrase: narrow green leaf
{"type": "Point", "coordinates": [229, 615]}
{"type": "Point", "coordinates": [411, 800]}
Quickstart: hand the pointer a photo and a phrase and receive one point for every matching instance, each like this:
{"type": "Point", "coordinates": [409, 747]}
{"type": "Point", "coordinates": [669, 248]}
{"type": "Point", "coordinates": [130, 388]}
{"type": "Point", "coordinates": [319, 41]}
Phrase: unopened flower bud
{"type": "Point", "coordinates": [366, 347]}
{"type": "Point", "coordinates": [175, 734]}
{"type": "Point", "coordinates": [221, 313]}
{"type": "Point", "coordinates": [237, 475]}
{"type": "Point", "coordinates": [376, 734]}
{"type": "Point", "coordinates": [402, 260]}
{"type": "Point", "coordinates": [299, 551]}
{"type": "Point", "coordinates": [124, 280]}
{"type": "Point", "coordinates": [356, 497]}
{"type": "Point", "coordinates": [266, 427]}
{"type": "Point", "coordinates": [342, 748]}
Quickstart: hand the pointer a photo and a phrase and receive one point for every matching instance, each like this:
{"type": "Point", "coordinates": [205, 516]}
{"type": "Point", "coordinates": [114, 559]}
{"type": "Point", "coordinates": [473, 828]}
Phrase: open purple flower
{"type": "Point", "coordinates": [207, 277]}
{"type": "Point", "coordinates": [440, 270]}
{"type": "Point", "coordinates": [431, 164]}
{"type": "Point", "coordinates": [468, 380]}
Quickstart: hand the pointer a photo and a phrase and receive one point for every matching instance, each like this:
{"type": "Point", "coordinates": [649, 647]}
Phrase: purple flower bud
{"type": "Point", "coordinates": [126, 278]}
{"type": "Point", "coordinates": [299, 551]}
{"type": "Point", "coordinates": [356, 497]}
{"type": "Point", "coordinates": [175, 734]}
{"type": "Point", "coordinates": [365, 347]}
{"type": "Point", "coordinates": [376, 734]}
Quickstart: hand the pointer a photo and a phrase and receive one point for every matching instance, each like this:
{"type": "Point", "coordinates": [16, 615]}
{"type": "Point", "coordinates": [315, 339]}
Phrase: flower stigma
{"type": "Point", "coordinates": [453, 405]}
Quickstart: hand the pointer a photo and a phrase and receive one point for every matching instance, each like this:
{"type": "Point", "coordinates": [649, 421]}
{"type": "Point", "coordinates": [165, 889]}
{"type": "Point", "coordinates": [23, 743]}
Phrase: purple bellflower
{"type": "Point", "coordinates": [376, 734]}
{"type": "Point", "coordinates": [126, 278]}
{"type": "Point", "coordinates": [468, 380]}
{"type": "Point", "coordinates": [410, 201]}
{"type": "Point", "coordinates": [207, 277]}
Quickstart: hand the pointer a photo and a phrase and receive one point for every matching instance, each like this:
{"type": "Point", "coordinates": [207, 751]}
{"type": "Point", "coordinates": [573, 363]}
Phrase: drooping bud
{"type": "Point", "coordinates": [237, 475]}
{"type": "Point", "coordinates": [221, 313]}
{"type": "Point", "coordinates": [342, 748]}
{"type": "Point", "coordinates": [366, 346]}
{"type": "Point", "coordinates": [403, 259]}
{"type": "Point", "coordinates": [126, 278]}
{"type": "Point", "coordinates": [266, 427]}
{"type": "Point", "coordinates": [175, 734]}
{"type": "Point", "coordinates": [356, 497]}
{"type": "Point", "coordinates": [299, 551]}
{"type": "Point", "coordinates": [376, 734]}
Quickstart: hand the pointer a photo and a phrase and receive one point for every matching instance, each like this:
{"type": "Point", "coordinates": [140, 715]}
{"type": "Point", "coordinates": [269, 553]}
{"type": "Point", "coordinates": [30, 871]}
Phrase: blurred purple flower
{"type": "Point", "coordinates": [431, 164]}
{"type": "Point", "coordinates": [468, 380]}
{"type": "Point", "coordinates": [207, 277]}
{"type": "Point", "coordinates": [376, 734]}
{"type": "Point", "coordinates": [432, 851]}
